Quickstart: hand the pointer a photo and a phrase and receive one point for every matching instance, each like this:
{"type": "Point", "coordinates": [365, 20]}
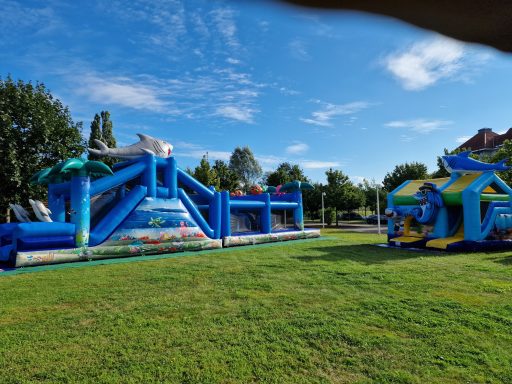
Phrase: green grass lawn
{"type": "Point", "coordinates": [336, 310]}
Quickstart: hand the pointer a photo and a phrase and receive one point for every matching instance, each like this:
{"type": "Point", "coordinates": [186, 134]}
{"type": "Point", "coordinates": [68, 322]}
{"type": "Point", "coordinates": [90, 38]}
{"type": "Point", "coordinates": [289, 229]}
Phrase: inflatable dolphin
{"type": "Point", "coordinates": [147, 144]}
{"type": "Point", "coordinates": [462, 163]}
{"type": "Point", "coordinates": [20, 213]}
{"type": "Point", "coordinates": [42, 213]}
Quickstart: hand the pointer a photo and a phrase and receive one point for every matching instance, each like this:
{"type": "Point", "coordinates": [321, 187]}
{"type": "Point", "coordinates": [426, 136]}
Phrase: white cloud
{"type": "Point", "coordinates": [121, 91]}
{"type": "Point", "coordinates": [406, 139]}
{"type": "Point", "coordinates": [297, 148]}
{"type": "Point", "coordinates": [324, 116]}
{"type": "Point", "coordinates": [288, 92]}
{"type": "Point", "coordinates": [426, 62]}
{"type": "Point", "coordinates": [315, 164]}
{"type": "Point", "coordinates": [462, 139]}
{"type": "Point", "coordinates": [298, 50]}
{"type": "Point", "coordinates": [19, 16]}
{"type": "Point", "coordinates": [422, 126]}
{"type": "Point", "coordinates": [236, 112]}
{"type": "Point", "coordinates": [212, 155]}
{"type": "Point", "coordinates": [264, 25]}
{"type": "Point", "coordinates": [358, 180]}
{"type": "Point", "coordinates": [232, 60]}
{"type": "Point", "coordinates": [269, 161]}
{"type": "Point", "coordinates": [225, 23]}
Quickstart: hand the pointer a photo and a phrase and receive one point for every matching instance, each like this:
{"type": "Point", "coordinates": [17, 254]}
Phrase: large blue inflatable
{"type": "Point", "coordinates": [146, 205]}
{"type": "Point", "coordinates": [470, 210]}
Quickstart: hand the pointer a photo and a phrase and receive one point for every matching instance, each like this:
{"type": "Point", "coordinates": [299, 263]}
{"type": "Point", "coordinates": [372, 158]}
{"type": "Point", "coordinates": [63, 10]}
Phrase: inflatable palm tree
{"type": "Point", "coordinates": [79, 172]}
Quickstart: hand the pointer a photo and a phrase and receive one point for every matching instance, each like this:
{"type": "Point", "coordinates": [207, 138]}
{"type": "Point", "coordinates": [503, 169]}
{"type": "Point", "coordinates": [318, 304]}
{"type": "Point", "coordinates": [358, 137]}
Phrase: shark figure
{"type": "Point", "coordinates": [147, 144]}
{"type": "Point", "coordinates": [462, 163]}
{"type": "Point", "coordinates": [20, 213]}
{"type": "Point", "coordinates": [41, 212]}
{"type": "Point", "coordinates": [430, 200]}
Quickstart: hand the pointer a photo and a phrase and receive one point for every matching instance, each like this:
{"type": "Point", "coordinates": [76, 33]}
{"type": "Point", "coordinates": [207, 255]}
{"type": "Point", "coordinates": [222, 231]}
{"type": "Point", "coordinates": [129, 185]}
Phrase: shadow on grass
{"type": "Point", "coordinates": [505, 260]}
{"type": "Point", "coordinates": [364, 253]}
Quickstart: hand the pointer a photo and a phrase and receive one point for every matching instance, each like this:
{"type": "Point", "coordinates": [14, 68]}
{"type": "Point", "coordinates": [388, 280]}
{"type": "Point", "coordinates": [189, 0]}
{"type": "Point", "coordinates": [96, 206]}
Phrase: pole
{"type": "Point", "coordinates": [378, 207]}
{"type": "Point", "coordinates": [323, 215]}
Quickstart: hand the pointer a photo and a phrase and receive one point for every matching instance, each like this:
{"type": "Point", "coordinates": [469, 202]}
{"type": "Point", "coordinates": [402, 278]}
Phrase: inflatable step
{"type": "Point", "coordinates": [408, 241]}
{"type": "Point", "coordinates": [45, 242]}
{"type": "Point", "coordinates": [444, 242]}
{"type": "Point", "coordinates": [5, 253]}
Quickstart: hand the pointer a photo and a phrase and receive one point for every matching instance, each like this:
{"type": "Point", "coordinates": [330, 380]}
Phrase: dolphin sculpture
{"type": "Point", "coordinates": [41, 212]}
{"type": "Point", "coordinates": [462, 163]}
{"type": "Point", "coordinates": [20, 213]}
{"type": "Point", "coordinates": [147, 144]}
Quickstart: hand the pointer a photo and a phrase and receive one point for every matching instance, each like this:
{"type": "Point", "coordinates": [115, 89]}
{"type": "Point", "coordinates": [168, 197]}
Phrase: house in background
{"type": "Point", "coordinates": [486, 142]}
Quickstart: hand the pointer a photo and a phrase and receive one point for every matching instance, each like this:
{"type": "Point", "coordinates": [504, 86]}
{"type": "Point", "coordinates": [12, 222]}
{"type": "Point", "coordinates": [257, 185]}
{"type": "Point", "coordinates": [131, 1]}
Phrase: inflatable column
{"type": "Point", "coordinates": [81, 209]}
{"type": "Point", "coordinates": [298, 214]}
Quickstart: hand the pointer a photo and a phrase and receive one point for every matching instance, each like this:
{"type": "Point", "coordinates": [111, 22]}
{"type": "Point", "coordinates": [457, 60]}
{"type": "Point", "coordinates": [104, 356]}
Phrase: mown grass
{"type": "Point", "coordinates": [337, 310]}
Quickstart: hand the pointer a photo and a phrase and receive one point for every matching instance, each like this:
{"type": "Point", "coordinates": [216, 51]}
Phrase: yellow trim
{"type": "Point", "coordinates": [489, 189]}
{"type": "Point", "coordinates": [462, 183]}
{"type": "Point", "coordinates": [442, 243]}
{"type": "Point", "coordinates": [406, 239]}
{"type": "Point", "coordinates": [412, 187]}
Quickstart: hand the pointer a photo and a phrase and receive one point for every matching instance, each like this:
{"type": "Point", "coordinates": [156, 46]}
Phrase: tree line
{"type": "Point", "coordinates": [37, 131]}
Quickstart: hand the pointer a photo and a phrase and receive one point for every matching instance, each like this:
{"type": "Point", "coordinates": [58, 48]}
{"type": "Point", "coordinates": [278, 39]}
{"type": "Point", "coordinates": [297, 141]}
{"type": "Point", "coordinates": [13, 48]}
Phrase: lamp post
{"type": "Point", "coordinates": [378, 207]}
{"type": "Point", "coordinates": [323, 216]}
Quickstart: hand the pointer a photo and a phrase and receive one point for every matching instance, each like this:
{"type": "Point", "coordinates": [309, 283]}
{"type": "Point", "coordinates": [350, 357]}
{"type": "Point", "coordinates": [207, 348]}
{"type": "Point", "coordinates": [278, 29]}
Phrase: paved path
{"type": "Point", "coordinates": [353, 227]}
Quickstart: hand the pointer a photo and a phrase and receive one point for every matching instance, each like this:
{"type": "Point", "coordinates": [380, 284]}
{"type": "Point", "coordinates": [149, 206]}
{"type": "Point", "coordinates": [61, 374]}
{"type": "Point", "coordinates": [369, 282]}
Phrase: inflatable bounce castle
{"type": "Point", "coordinates": [470, 210]}
{"type": "Point", "coordinates": [146, 205]}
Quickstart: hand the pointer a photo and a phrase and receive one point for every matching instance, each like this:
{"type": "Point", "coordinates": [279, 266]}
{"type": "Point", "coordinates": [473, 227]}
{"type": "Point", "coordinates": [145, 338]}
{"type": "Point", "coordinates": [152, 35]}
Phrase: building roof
{"type": "Point", "coordinates": [486, 139]}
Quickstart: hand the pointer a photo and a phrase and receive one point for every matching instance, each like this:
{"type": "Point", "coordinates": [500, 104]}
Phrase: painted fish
{"type": "Point", "coordinates": [42, 213]}
{"type": "Point", "coordinates": [147, 144]}
{"type": "Point", "coordinates": [462, 163]}
{"type": "Point", "coordinates": [156, 222]}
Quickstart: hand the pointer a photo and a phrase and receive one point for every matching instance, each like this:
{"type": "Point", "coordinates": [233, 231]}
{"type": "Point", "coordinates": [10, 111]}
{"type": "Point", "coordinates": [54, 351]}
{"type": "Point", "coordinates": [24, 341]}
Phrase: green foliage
{"type": "Point", "coordinates": [505, 152]}
{"type": "Point", "coordinates": [285, 173]}
{"type": "Point", "coordinates": [36, 131]}
{"type": "Point", "coordinates": [108, 136]}
{"type": "Point", "coordinates": [342, 194]}
{"type": "Point", "coordinates": [312, 200]}
{"type": "Point", "coordinates": [404, 172]}
{"type": "Point", "coordinates": [94, 135]}
{"type": "Point", "coordinates": [104, 134]}
{"type": "Point", "coordinates": [333, 310]}
{"type": "Point", "coordinates": [329, 215]}
{"type": "Point", "coordinates": [370, 196]}
{"type": "Point", "coordinates": [205, 174]}
{"type": "Point", "coordinates": [243, 163]}
{"type": "Point", "coordinates": [228, 180]}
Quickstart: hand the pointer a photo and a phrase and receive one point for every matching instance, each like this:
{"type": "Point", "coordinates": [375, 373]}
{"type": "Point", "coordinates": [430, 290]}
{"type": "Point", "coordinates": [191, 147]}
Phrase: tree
{"type": "Point", "coordinates": [370, 196]}
{"type": "Point", "coordinates": [404, 172]}
{"type": "Point", "coordinates": [505, 152]}
{"type": "Point", "coordinates": [206, 174]}
{"type": "Point", "coordinates": [353, 197]}
{"type": "Point", "coordinates": [285, 173]}
{"type": "Point", "coordinates": [337, 184]}
{"type": "Point", "coordinates": [94, 135]}
{"type": "Point", "coordinates": [312, 200]}
{"type": "Point", "coordinates": [36, 131]}
{"type": "Point", "coordinates": [228, 180]}
{"type": "Point", "coordinates": [244, 164]}
{"type": "Point", "coordinates": [104, 134]}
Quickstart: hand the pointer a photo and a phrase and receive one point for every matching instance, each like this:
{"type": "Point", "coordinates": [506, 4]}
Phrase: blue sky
{"type": "Point", "coordinates": [345, 90]}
